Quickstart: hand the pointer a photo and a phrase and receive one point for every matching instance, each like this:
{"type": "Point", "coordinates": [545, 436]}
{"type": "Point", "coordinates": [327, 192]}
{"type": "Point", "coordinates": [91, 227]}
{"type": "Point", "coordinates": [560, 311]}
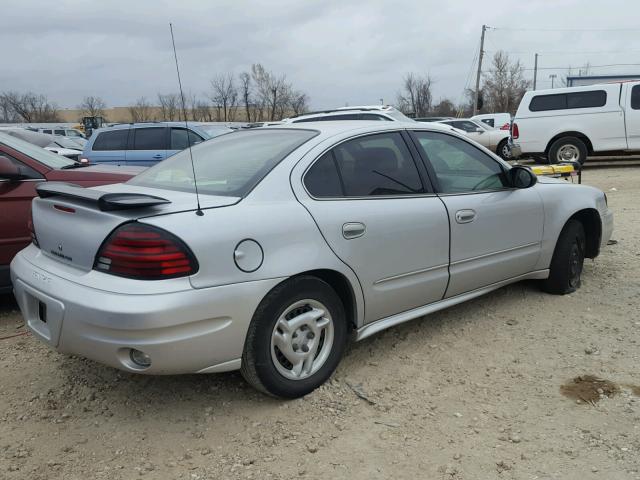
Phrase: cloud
{"type": "Point", "coordinates": [337, 51]}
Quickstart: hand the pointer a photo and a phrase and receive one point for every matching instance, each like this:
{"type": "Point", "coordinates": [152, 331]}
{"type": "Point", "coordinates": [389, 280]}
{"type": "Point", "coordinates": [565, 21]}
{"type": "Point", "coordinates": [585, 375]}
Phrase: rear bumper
{"type": "Point", "coordinates": [516, 151]}
{"type": "Point", "coordinates": [187, 331]}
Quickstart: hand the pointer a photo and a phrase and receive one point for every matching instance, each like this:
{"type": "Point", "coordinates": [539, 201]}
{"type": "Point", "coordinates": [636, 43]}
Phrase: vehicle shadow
{"type": "Point", "coordinates": [174, 396]}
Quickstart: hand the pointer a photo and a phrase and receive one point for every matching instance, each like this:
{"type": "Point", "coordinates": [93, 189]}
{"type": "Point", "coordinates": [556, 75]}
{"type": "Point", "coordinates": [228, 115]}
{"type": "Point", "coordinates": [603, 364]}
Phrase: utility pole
{"type": "Point", "coordinates": [535, 72]}
{"type": "Point", "coordinates": [475, 101]}
{"type": "Point", "coordinates": [552, 77]}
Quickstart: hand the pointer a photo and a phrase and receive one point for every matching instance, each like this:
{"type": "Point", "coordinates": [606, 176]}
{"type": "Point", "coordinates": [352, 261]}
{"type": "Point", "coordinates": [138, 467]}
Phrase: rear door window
{"type": "Point", "coordinates": [323, 179]}
{"type": "Point", "coordinates": [635, 97]}
{"type": "Point", "coordinates": [114, 140]}
{"type": "Point", "coordinates": [375, 165]}
{"type": "Point", "coordinates": [59, 132]}
{"type": "Point", "coordinates": [179, 138]}
{"type": "Point", "coordinates": [153, 138]}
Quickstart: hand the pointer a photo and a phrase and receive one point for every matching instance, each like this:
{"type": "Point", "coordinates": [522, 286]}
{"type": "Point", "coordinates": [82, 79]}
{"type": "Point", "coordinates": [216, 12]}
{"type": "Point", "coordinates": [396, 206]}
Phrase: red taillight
{"type": "Point", "coordinates": [144, 252]}
{"type": "Point", "coordinates": [506, 126]}
{"type": "Point", "coordinates": [515, 133]}
{"type": "Point", "coordinates": [32, 230]}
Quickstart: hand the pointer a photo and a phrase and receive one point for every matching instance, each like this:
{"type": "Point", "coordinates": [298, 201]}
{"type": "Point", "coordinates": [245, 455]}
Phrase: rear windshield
{"type": "Point", "coordinates": [228, 165]}
{"type": "Point", "coordinates": [41, 155]}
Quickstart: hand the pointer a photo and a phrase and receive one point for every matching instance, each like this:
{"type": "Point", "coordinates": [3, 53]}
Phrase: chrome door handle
{"type": "Point", "coordinates": [465, 216]}
{"type": "Point", "coordinates": [157, 156]}
{"type": "Point", "coordinates": [353, 230]}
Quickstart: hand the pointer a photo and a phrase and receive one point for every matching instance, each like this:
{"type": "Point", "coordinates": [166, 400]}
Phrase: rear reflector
{"type": "Point", "coordinates": [62, 208]}
{"type": "Point", "coordinates": [506, 126]}
{"type": "Point", "coordinates": [140, 251]}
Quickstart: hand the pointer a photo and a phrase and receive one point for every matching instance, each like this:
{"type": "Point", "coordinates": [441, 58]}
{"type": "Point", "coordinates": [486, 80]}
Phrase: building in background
{"type": "Point", "coordinates": [580, 81]}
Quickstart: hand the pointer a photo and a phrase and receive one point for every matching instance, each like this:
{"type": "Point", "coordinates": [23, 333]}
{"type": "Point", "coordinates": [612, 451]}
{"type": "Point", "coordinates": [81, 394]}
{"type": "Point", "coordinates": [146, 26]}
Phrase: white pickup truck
{"type": "Point", "coordinates": [568, 124]}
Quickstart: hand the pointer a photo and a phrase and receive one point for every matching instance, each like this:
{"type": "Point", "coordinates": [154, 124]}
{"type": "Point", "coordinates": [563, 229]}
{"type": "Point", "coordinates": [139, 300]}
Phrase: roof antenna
{"type": "Point", "coordinates": [199, 211]}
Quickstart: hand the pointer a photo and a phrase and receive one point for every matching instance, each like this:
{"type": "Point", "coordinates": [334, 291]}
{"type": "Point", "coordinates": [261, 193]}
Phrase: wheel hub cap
{"type": "Point", "coordinates": [568, 153]}
{"type": "Point", "coordinates": [302, 339]}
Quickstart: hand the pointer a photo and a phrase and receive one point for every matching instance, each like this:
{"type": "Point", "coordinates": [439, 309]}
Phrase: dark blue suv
{"type": "Point", "coordinates": [145, 144]}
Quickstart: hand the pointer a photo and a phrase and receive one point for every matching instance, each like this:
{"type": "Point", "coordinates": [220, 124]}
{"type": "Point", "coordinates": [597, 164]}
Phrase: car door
{"type": "Point", "coordinates": [496, 230]}
{"type": "Point", "coordinates": [380, 217]}
{"type": "Point", "coordinates": [15, 205]}
{"type": "Point", "coordinates": [147, 145]}
{"type": "Point", "coordinates": [180, 138]}
{"type": "Point", "coordinates": [108, 146]}
{"type": "Point", "coordinates": [632, 116]}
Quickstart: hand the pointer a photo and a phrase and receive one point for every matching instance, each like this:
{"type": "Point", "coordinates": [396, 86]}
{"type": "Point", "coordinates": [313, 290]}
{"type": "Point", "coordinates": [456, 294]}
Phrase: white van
{"type": "Point", "coordinates": [568, 124]}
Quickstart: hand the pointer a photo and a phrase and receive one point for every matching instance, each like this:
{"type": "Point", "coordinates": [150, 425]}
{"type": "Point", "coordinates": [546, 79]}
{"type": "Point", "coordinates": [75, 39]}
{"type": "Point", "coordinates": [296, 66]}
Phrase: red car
{"type": "Point", "coordinates": [22, 167]}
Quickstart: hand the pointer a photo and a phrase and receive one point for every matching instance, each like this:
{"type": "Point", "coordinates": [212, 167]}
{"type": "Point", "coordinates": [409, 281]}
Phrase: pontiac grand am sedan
{"type": "Point", "coordinates": [301, 237]}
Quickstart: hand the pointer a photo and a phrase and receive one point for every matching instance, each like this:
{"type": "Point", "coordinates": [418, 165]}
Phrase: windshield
{"type": "Point", "coordinates": [228, 165]}
{"type": "Point", "coordinates": [41, 155]}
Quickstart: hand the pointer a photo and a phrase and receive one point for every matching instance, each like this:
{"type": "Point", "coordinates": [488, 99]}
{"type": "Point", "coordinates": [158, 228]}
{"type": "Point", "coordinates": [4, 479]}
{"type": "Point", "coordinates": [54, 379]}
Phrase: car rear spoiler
{"type": "Point", "coordinates": [105, 200]}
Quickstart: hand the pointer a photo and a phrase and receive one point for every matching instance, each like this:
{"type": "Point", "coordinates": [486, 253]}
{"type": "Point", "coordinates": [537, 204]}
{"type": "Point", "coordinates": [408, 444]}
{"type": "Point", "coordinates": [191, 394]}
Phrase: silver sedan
{"type": "Point", "coordinates": [299, 238]}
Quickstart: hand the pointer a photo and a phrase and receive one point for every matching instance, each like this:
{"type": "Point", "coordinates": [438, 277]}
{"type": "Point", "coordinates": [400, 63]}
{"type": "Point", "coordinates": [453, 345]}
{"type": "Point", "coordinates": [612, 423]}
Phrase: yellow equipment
{"type": "Point", "coordinates": [559, 170]}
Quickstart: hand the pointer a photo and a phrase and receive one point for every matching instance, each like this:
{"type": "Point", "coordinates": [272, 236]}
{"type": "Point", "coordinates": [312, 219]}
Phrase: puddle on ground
{"type": "Point", "coordinates": [589, 389]}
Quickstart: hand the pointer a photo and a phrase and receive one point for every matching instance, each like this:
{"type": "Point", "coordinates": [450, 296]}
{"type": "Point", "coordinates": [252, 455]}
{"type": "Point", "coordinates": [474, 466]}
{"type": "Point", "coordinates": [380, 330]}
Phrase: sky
{"type": "Point", "coordinates": [340, 52]}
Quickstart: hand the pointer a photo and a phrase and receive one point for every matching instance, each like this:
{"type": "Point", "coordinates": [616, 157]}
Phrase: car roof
{"type": "Point", "coordinates": [328, 129]}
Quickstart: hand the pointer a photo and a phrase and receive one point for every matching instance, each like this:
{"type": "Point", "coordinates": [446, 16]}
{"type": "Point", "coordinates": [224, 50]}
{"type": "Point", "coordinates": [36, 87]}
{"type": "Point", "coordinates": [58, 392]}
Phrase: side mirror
{"type": "Point", "coordinates": [9, 170]}
{"type": "Point", "coordinates": [522, 177]}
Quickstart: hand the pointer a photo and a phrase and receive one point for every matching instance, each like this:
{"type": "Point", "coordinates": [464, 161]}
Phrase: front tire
{"type": "Point", "coordinates": [568, 149]}
{"type": "Point", "coordinates": [567, 261]}
{"type": "Point", "coordinates": [296, 338]}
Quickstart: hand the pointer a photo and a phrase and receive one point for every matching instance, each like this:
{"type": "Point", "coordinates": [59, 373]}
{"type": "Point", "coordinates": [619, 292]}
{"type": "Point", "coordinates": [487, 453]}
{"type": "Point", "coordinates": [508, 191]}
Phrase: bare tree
{"type": "Point", "coordinates": [170, 106]}
{"type": "Point", "coordinates": [444, 108]}
{"type": "Point", "coordinates": [31, 107]}
{"type": "Point", "coordinates": [415, 96]}
{"type": "Point", "coordinates": [245, 92]}
{"type": "Point", "coordinates": [140, 111]}
{"type": "Point", "coordinates": [504, 85]}
{"type": "Point", "coordinates": [224, 95]}
{"type": "Point", "coordinates": [271, 92]}
{"type": "Point", "coordinates": [7, 113]}
{"type": "Point", "coordinates": [299, 103]}
{"type": "Point", "coordinates": [92, 106]}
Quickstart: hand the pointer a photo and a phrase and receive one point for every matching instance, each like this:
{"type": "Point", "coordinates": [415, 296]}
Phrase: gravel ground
{"type": "Point", "coordinates": [474, 392]}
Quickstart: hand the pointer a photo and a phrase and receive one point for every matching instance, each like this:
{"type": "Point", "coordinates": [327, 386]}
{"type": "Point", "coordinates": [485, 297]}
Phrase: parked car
{"type": "Point", "coordinates": [61, 131]}
{"type": "Point", "coordinates": [495, 140]}
{"type": "Point", "coordinates": [56, 144]}
{"type": "Point", "coordinates": [432, 119]}
{"type": "Point", "coordinates": [302, 235]}
{"type": "Point", "coordinates": [367, 112]}
{"type": "Point", "coordinates": [142, 144]}
{"type": "Point", "coordinates": [500, 121]}
{"type": "Point", "coordinates": [23, 166]}
{"type": "Point", "coordinates": [569, 124]}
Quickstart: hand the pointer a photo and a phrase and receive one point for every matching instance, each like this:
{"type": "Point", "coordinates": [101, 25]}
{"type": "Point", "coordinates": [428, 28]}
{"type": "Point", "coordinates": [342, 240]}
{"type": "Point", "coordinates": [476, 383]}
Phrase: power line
{"type": "Point", "coordinates": [621, 52]}
{"type": "Point", "coordinates": [570, 66]}
{"type": "Point", "coordinates": [562, 29]}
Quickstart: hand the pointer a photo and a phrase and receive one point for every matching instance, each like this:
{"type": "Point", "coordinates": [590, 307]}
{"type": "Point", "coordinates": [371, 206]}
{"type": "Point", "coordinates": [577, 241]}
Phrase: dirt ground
{"type": "Point", "coordinates": [475, 392]}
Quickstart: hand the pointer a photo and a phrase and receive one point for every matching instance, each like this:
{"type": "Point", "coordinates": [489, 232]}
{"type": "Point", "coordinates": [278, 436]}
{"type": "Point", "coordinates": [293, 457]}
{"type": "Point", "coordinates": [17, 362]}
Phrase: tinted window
{"type": "Point", "coordinates": [540, 103]}
{"type": "Point", "coordinates": [592, 99]}
{"type": "Point", "coordinates": [46, 131]}
{"type": "Point", "coordinates": [150, 138]}
{"type": "Point", "coordinates": [179, 138]}
{"type": "Point", "coordinates": [229, 165]}
{"type": "Point", "coordinates": [488, 121]}
{"type": "Point", "coordinates": [635, 97]}
{"type": "Point", "coordinates": [562, 101]}
{"type": "Point", "coordinates": [25, 170]}
{"type": "Point", "coordinates": [464, 125]}
{"type": "Point", "coordinates": [373, 116]}
{"type": "Point", "coordinates": [459, 166]}
{"type": "Point", "coordinates": [114, 140]}
{"type": "Point", "coordinates": [322, 179]}
{"type": "Point", "coordinates": [377, 165]}
{"type": "Point", "coordinates": [59, 132]}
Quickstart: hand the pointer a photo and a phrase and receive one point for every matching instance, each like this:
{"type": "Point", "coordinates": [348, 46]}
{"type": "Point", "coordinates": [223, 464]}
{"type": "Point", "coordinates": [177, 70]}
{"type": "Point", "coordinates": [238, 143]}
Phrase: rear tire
{"type": "Point", "coordinates": [296, 338]}
{"type": "Point", "coordinates": [568, 149]}
{"type": "Point", "coordinates": [567, 261]}
{"type": "Point", "coordinates": [503, 150]}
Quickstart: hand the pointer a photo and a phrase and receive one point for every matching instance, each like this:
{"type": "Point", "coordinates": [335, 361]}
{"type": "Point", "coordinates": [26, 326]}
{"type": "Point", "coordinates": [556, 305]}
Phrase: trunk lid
{"type": "Point", "coordinates": [71, 226]}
